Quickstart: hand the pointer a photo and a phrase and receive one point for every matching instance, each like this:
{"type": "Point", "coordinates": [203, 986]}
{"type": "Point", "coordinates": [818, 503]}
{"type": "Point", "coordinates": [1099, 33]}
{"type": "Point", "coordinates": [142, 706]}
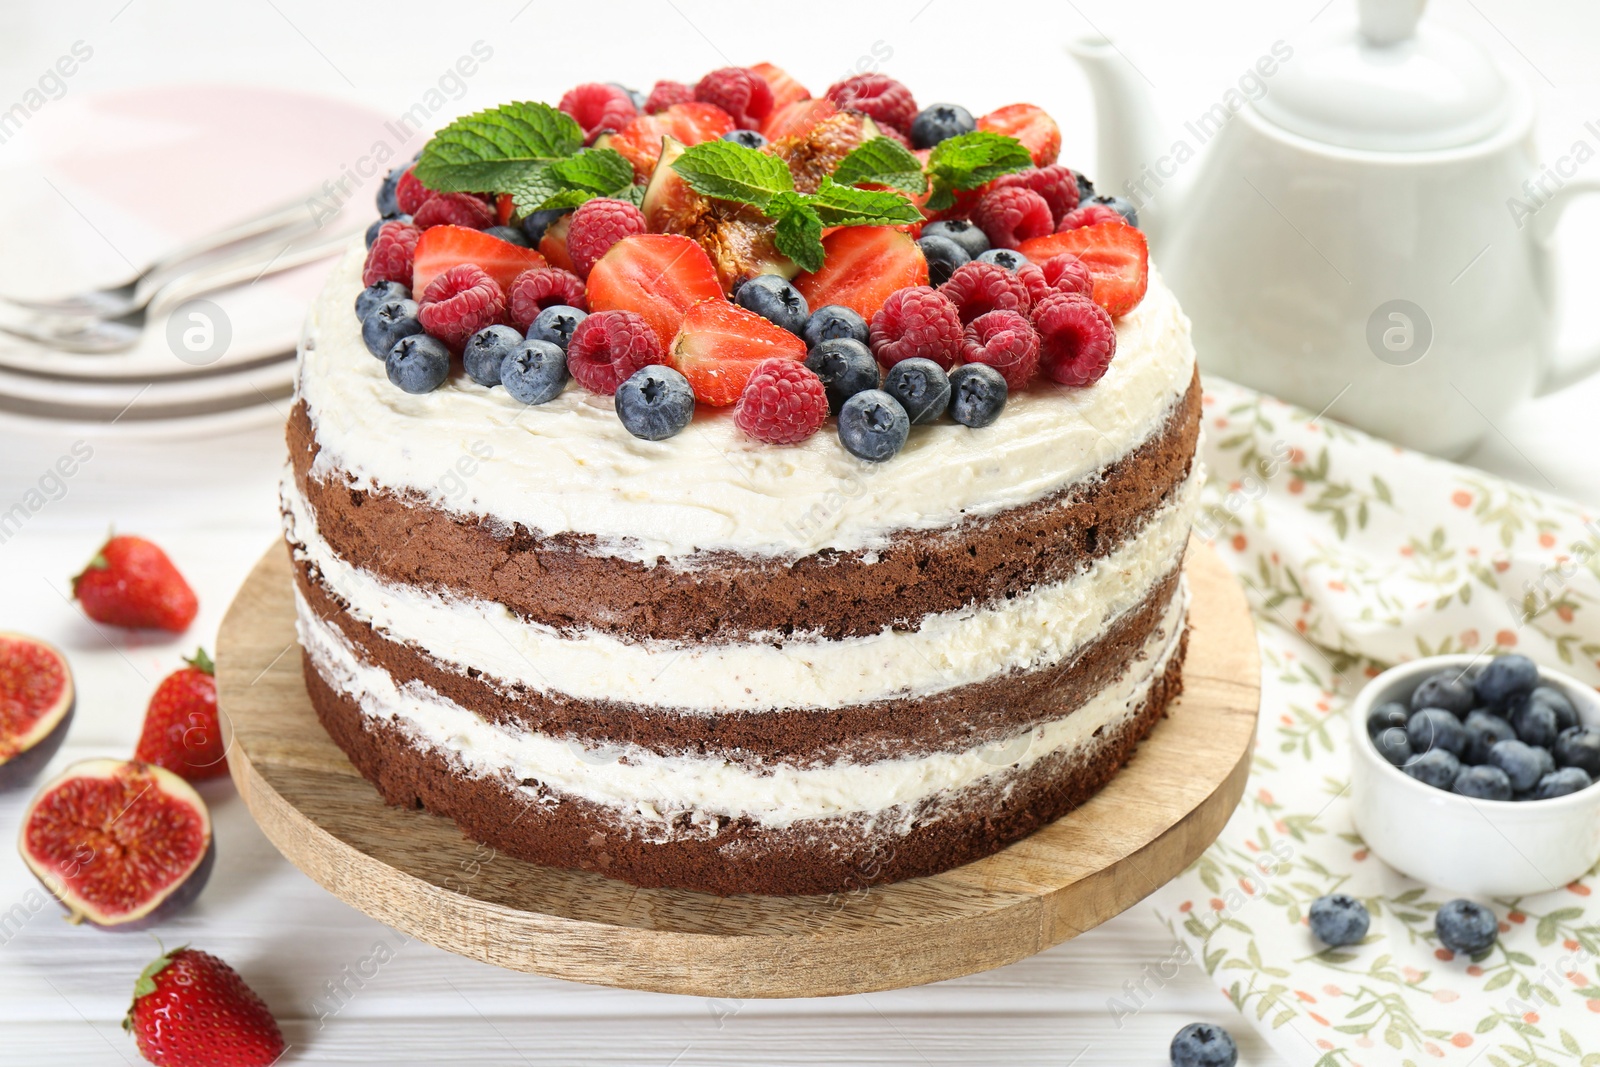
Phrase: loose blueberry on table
{"type": "Point", "coordinates": [1204, 1045]}
{"type": "Point", "coordinates": [1339, 919]}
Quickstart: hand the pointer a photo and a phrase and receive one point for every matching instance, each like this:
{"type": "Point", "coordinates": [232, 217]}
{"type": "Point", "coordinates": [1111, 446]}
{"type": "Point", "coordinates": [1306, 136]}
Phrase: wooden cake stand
{"type": "Point", "coordinates": [416, 871]}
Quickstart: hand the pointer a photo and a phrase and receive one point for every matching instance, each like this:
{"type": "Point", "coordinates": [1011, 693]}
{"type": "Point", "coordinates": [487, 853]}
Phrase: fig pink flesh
{"type": "Point", "coordinates": [35, 693]}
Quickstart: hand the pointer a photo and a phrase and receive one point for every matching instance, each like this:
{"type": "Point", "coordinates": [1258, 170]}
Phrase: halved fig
{"type": "Point", "coordinates": [36, 702]}
{"type": "Point", "coordinates": [121, 844]}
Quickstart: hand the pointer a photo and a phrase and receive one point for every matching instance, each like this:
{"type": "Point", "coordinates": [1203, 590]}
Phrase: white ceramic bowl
{"type": "Point", "coordinates": [1484, 847]}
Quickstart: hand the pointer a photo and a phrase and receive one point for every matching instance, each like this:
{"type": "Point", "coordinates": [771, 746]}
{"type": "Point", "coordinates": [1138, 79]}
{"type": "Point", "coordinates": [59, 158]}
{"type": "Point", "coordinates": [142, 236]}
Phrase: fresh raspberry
{"type": "Point", "coordinates": [596, 226]}
{"type": "Point", "coordinates": [410, 194]}
{"type": "Point", "coordinates": [742, 93]}
{"type": "Point", "coordinates": [1067, 273]}
{"type": "Point", "coordinates": [1005, 341]}
{"type": "Point", "coordinates": [454, 209]}
{"type": "Point", "coordinates": [459, 303]}
{"type": "Point", "coordinates": [1033, 280]}
{"type": "Point", "coordinates": [541, 287]}
{"type": "Point", "coordinates": [1010, 215]}
{"type": "Point", "coordinates": [1057, 184]}
{"type": "Point", "coordinates": [895, 135]}
{"type": "Point", "coordinates": [917, 321]}
{"type": "Point", "coordinates": [597, 105]}
{"type": "Point", "coordinates": [1088, 215]}
{"type": "Point", "coordinates": [783, 403]}
{"type": "Point", "coordinates": [978, 288]}
{"type": "Point", "coordinates": [667, 93]}
{"type": "Point", "coordinates": [392, 253]}
{"type": "Point", "coordinates": [608, 347]}
{"type": "Point", "coordinates": [1076, 338]}
{"type": "Point", "coordinates": [880, 97]}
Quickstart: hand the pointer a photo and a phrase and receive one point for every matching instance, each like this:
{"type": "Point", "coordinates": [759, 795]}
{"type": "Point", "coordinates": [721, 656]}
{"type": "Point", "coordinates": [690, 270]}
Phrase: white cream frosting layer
{"type": "Point", "coordinates": [569, 466]}
{"type": "Point", "coordinates": [1039, 628]}
{"type": "Point", "coordinates": [654, 787]}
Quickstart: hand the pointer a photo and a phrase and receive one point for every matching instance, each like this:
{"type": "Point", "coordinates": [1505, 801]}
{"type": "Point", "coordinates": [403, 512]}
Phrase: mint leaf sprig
{"type": "Point", "coordinates": [723, 170]}
{"type": "Point", "coordinates": [532, 151]}
{"type": "Point", "coordinates": [962, 162]}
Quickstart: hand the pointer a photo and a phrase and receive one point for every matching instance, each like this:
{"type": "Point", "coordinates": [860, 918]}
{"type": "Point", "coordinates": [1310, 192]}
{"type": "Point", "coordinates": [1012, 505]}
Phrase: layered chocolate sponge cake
{"type": "Point", "coordinates": [717, 612]}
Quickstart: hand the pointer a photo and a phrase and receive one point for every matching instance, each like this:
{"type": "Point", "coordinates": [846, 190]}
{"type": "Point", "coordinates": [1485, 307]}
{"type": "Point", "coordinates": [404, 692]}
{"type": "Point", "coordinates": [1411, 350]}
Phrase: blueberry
{"type": "Point", "coordinates": [921, 386]}
{"type": "Point", "coordinates": [368, 299]}
{"type": "Point", "coordinates": [1484, 783]}
{"type": "Point", "coordinates": [486, 350]}
{"type": "Point", "coordinates": [1484, 729]}
{"type": "Point", "coordinates": [943, 256]}
{"type": "Point", "coordinates": [1085, 187]}
{"type": "Point", "coordinates": [1535, 722]}
{"type": "Point", "coordinates": [1466, 926]}
{"type": "Point", "coordinates": [372, 231]}
{"type": "Point", "coordinates": [846, 367]}
{"type": "Point", "coordinates": [556, 324]}
{"type": "Point", "coordinates": [1437, 768]}
{"type": "Point", "coordinates": [387, 204]}
{"type": "Point", "coordinates": [774, 299]}
{"type": "Point", "coordinates": [418, 363]}
{"type": "Point", "coordinates": [747, 138]}
{"type": "Point", "coordinates": [1433, 728]}
{"type": "Point", "coordinates": [1449, 690]}
{"type": "Point", "coordinates": [977, 394]}
{"type": "Point", "coordinates": [938, 122]}
{"type": "Point", "coordinates": [1339, 919]}
{"type": "Point", "coordinates": [964, 233]}
{"type": "Point", "coordinates": [1203, 1045]}
{"type": "Point", "coordinates": [635, 95]}
{"type": "Point", "coordinates": [832, 321]}
{"type": "Point", "coordinates": [387, 323]}
{"type": "Point", "coordinates": [655, 403]}
{"type": "Point", "coordinates": [511, 235]}
{"type": "Point", "coordinates": [1523, 763]}
{"type": "Point", "coordinates": [1005, 257]}
{"type": "Point", "coordinates": [1560, 783]}
{"type": "Point", "coordinates": [1386, 715]}
{"type": "Point", "coordinates": [873, 426]}
{"type": "Point", "coordinates": [1504, 680]}
{"type": "Point", "coordinates": [534, 225]}
{"type": "Point", "coordinates": [1579, 746]}
{"type": "Point", "coordinates": [534, 372]}
{"type": "Point", "coordinates": [1556, 701]}
{"type": "Point", "coordinates": [1120, 206]}
{"type": "Point", "coordinates": [1394, 746]}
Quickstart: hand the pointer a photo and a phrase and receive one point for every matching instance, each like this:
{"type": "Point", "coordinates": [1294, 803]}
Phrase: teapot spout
{"type": "Point", "coordinates": [1127, 132]}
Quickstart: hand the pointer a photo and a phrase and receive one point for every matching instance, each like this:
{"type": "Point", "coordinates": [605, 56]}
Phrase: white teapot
{"type": "Point", "coordinates": [1366, 226]}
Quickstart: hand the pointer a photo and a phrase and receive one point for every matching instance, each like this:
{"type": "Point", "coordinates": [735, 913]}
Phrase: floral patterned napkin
{"type": "Point", "coordinates": [1355, 555]}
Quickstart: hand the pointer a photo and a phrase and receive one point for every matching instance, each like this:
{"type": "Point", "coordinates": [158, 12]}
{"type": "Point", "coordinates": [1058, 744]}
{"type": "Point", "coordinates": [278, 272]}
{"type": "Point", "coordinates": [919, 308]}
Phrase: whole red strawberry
{"type": "Point", "coordinates": [192, 1010]}
{"type": "Point", "coordinates": [130, 582]}
{"type": "Point", "coordinates": [181, 732]}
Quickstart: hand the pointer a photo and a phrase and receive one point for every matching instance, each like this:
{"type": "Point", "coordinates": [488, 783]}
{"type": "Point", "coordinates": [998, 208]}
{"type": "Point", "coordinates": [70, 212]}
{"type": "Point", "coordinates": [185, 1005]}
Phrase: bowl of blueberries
{"type": "Point", "coordinates": [1478, 775]}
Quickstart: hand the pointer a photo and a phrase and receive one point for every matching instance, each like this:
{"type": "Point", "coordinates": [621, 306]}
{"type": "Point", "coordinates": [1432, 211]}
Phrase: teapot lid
{"type": "Point", "coordinates": [1389, 85]}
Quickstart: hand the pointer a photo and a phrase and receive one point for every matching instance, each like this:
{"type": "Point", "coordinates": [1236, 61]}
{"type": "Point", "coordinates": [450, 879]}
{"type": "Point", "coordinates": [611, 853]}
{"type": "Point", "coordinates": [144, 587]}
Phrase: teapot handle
{"type": "Point", "coordinates": [1565, 367]}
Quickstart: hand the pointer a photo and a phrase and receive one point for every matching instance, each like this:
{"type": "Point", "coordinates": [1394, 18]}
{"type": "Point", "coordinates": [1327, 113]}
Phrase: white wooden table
{"type": "Point", "coordinates": [345, 987]}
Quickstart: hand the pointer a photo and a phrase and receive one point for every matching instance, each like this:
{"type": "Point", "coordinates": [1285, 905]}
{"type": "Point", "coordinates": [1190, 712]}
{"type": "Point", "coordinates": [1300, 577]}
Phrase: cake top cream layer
{"type": "Point", "coordinates": [569, 466]}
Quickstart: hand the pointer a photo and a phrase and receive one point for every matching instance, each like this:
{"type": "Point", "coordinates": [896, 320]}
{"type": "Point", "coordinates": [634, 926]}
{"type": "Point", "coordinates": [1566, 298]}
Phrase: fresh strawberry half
{"type": "Point", "coordinates": [798, 118]}
{"type": "Point", "coordinates": [1029, 124]}
{"type": "Point", "coordinates": [181, 731]}
{"type": "Point", "coordinates": [443, 247]}
{"type": "Point", "coordinates": [785, 90]}
{"type": "Point", "coordinates": [1116, 254]}
{"type": "Point", "coordinates": [131, 582]}
{"type": "Point", "coordinates": [192, 1010]}
{"type": "Point", "coordinates": [864, 265]}
{"type": "Point", "coordinates": [639, 141]}
{"type": "Point", "coordinates": [658, 276]}
{"type": "Point", "coordinates": [720, 345]}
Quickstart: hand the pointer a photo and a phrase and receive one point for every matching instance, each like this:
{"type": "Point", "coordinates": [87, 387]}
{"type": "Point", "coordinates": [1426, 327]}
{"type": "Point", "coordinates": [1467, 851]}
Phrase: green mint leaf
{"type": "Point", "coordinates": [565, 183]}
{"type": "Point", "coordinates": [599, 170]}
{"type": "Point", "coordinates": [882, 161]}
{"type": "Point", "coordinates": [726, 171]}
{"type": "Point", "coordinates": [842, 205]}
{"type": "Point", "coordinates": [971, 159]}
{"type": "Point", "coordinates": [491, 151]}
{"type": "Point", "coordinates": [799, 231]}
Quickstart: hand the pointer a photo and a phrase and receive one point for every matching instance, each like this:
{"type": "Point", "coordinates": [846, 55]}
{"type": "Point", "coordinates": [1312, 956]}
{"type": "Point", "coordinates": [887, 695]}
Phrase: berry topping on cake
{"type": "Point", "coordinates": [665, 93]}
{"type": "Point", "coordinates": [846, 366]}
{"type": "Point", "coordinates": [785, 90]}
{"type": "Point", "coordinates": [387, 323]}
{"type": "Point", "coordinates": [1009, 258]}
{"type": "Point", "coordinates": [486, 350]}
{"type": "Point", "coordinates": [410, 194]}
{"type": "Point", "coordinates": [609, 346]}
{"type": "Point", "coordinates": [511, 235]}
{"type": "Point", "coordinates": [655, 403]}
{"type": "Point", "coordinates": [534, 372]}
{"type": "Point", "coordinates": [720, 345]}
{"type": "Point", "coordinates": [657, 276]}
{"type": "Point", "coordinates": [921, 386]}
{"type": "Point", "coordinates": [1006, 341]}
{"type": "Point", "coordinates": [740, 92]}
{"type": "Point", "coordinates": [1076, 339]}
{"type": "Point", "coordinates": [877, 96]}
{"type": "Point", "coordinates": [873, 426]}
{"type": "Point", "coordinates": [392, 253]}
{"type": "Point", "coordinates": [1067, 273]}
{"type": "Point", "coordinates": [1010, 214]}
{"type": "Point", "coordinates": [1029, 124]}
{"type": "Point", "coordinates": [596, 226]}
{"type": "Point", "coordinates": [816, 152]}
{"type": "Point", "coordinates": [543, 287]}
{"type": "Point", "coordinates": [553, 242]}
{"type": "Point", "coordinates": [1057, 184]}
{"type": "Point", "coordinates": [979, 288]}
{"type": "Point", "coordinates": [747, 138]}
{"type": "Point", "coordinates": [556, 324]}
{"type": "Point", "coordinates": [797, 119]}
{"type": "Point", "coordinates": [1088, 215]}
{"type": "Point", "coordinates": [454, 209]}
{"type": "Point", "coordinates": [418, 364]}
{"type": "Point", "coordinates": [130, 582]}
{"type": "Point", "coordinates": [943, 256]}
{"type": "Point", "coordinates": [1034, 281]}
{"type": "Point", "coordinates": [940, 122]}
{"type": "Point", "coordinates": [599, 106]}
{"type": "Point", "coordinates": [917, 323]}
{"type": "Point", "coordinates": [1116, 254]}
{"type": "Point", "coordinates": [862, 266]}
{"type": "Point", "coordinates": [833, 321]}
{"type": "Point", "coordinates": [459, 303]}
{"type": "Point", "coordinates": [783, 403]}
{"type": "Point", "coordinates": [773, 298]}
{"type": "Point", "coordinates": [639, 142]}
{"type": "Point", "coordinates": [377, 294]}
{"type": "Point", "coordinates": [963, 232]}
{"type": "Point", "coordinates": [977, 395]}
{"type": "Point", "coordinates": [444, 247]}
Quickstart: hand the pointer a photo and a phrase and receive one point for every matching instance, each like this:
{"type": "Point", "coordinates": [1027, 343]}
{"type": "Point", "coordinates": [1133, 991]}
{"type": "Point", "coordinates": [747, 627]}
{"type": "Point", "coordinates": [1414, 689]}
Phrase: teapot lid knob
{"type": "Point", "coordinates": [1386, 22]}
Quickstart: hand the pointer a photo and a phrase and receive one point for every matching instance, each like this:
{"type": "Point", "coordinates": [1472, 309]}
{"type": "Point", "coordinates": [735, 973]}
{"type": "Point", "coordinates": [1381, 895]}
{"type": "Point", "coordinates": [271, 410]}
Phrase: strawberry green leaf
{"type": "Point", "coordinates": [841, 205]}
{"type": "Point", "coordinates": [882, 161]}
{"type": "Point", "coordinates": [488, 152]}
{"type": "Point", "coordinates": [798, 234]}
{"type": "Point", "coordinates": [971, 159]}
{"type": "Point", "coordinates": [727, 171]}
